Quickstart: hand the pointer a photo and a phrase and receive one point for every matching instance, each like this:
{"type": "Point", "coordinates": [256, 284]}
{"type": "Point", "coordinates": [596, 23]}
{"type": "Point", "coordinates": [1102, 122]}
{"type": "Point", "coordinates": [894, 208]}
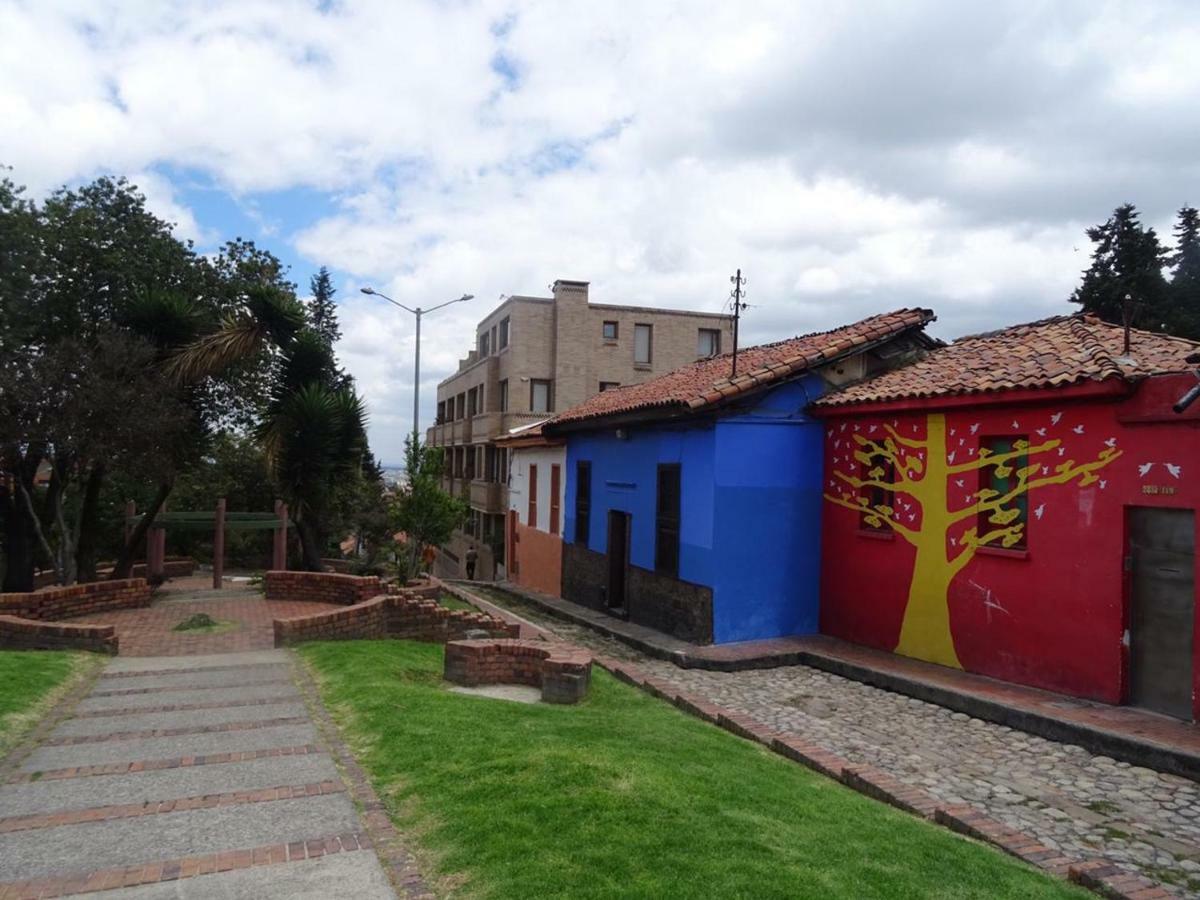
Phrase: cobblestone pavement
{"type": "Point", "coordinates": [1069, 799]}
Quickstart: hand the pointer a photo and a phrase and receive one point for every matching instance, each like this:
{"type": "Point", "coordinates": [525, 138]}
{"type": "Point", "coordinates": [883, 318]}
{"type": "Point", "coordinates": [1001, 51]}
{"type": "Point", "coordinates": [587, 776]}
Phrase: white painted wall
{"type": "Point", "coordinates": [521, 458]}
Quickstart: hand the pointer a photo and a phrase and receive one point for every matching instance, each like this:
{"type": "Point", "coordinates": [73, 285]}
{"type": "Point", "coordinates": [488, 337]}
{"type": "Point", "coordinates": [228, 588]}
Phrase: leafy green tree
{"type": "Point", "coordinates": [1184, 292]}
{"type": "Point", "coordinates": [1127, 260]}
{"type": "Point", "coordinates": [322, 311]}
{"type": "Point", "coordinates": [426, 513]}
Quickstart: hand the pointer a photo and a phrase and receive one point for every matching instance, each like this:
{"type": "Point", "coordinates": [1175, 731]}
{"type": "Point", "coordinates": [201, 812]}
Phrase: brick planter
{"type": "Point", "coordinates": [563, 673]}
{"type": "Point", "coordinates": [27, 620]}
{"type": "Point", "coordinates": [30, 634]}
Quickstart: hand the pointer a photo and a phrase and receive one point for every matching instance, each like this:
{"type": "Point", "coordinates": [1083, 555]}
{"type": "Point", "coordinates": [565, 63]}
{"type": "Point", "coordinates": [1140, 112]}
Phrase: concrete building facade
{"type": "Point", "coordinates": [533, 356]}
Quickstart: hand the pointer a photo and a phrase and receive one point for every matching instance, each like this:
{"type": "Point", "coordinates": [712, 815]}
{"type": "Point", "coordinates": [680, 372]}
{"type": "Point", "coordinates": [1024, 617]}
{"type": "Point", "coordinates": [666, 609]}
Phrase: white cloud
{"type": "Point", "coordinates": [849, 160]}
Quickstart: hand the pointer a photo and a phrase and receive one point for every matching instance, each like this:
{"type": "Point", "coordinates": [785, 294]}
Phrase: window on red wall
{"type": "Point", "coordinates": [531, 519]}
{"type": "Point", "coordinates": [555, 485]}
{"type": "Point", "coordinates": [881, 470]}
{"type": "Point", "coordinates": [1002, 479]}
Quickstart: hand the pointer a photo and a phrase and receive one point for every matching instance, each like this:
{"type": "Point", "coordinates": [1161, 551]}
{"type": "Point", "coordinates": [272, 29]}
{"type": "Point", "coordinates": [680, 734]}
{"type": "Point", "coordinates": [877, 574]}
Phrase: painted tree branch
{"type": "Point", "coordinates": [1007, 536]}
{"type": "Point", "coordinates": [888, 451]}
{"type": "Point", "coordinates": [911, 443]}
{"type": "Point", "coordinates": [904, 531]}
{"type": "Point", "coordinates": [986, 458]}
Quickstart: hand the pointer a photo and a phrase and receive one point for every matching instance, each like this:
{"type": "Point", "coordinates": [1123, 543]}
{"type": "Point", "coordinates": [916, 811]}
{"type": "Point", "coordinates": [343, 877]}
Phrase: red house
{"type": "Point", "coordinates": [1022, 504]}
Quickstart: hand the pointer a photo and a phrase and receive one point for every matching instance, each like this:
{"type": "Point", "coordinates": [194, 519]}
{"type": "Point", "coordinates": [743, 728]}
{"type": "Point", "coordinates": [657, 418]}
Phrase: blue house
{"type": "Point", "coordinates": [693, 501]}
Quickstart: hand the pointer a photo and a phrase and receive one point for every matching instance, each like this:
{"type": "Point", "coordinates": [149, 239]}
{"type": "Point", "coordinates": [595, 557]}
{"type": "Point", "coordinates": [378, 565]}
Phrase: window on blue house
{"type": "Point", "coordinates": [666, 522]}
{"type": "Point", "coordinates": [583, 502]}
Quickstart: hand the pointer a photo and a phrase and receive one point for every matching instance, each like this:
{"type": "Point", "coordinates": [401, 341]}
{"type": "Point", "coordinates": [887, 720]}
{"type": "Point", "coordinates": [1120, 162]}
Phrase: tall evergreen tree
{"type": "Point", "coordinates": [1126, 260]}
{"type": "Point", "coordinates": [322, 311]}
{"type": "Point", "coordinates": [1184, 292]}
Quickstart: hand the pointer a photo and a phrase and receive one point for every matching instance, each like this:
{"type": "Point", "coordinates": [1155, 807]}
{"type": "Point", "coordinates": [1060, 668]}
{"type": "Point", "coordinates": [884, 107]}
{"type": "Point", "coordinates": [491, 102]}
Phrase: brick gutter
{"type": "Point", "coordinates": [1130, 748]}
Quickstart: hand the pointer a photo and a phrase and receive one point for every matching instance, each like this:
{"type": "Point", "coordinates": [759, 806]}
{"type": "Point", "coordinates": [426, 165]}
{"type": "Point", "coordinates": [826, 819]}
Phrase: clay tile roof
{"type": "Point", "coordinates": [707, 382]}
{"type": "Point", "coordinates": [1049, 353]}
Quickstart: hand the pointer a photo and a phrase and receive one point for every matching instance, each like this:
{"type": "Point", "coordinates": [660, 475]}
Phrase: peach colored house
{"type": "Point", "coordinates": [533, 528]}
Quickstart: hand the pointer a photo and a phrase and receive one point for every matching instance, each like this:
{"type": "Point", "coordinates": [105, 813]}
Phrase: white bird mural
{"type": "Point", "coordinates": [1173, 469]}
{"type": "Point", "coordinates": [951, 432]}
{"type": "Point", "coordinates": [871, 430]}
{"type": "Point", "coordinates": [950, 456]}
{"type": "Point", "coordinates": [1144, 468]}
{"type": "Point", "coordinates": [1041, 508]}
{"type": "Point", "coordinates": [959, 482]}
{"type": "Point", "coordinates": [1111, 442]}
{"type": "Point", "coordinates": [1015, 424]}
{"type": "Point", "coordinates": [1055, 418]}
{"type": "Point", "coordinates": [1062, 450]}
{"type": "Point", "coordinates": [975, 428]}
{"type": "Point", "coordinates": [1041, 432]}
{"type": "Point", "coordinates": [1078, 429]}
{"type": "Point", "coordinates": [1103, 483]}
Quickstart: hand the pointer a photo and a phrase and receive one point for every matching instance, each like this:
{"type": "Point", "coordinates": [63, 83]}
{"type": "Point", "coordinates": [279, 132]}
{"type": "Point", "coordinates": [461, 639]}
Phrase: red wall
{"type": "Point", "coordinates": [535, 559]}
{"type": "Point", "coordinates": [1055, 615]}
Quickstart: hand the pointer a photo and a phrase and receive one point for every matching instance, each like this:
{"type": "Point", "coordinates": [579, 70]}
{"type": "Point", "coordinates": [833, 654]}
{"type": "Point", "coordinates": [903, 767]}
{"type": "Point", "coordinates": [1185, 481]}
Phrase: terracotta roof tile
{"type": "Point", "coordinates": [707, 382]}
{"type": "Point", "coordinates": [1052, 352]}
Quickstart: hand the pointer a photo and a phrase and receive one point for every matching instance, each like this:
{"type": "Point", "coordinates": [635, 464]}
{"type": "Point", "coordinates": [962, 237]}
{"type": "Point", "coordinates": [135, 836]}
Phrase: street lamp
{"type": "Point", "coordinates": [418, 312]}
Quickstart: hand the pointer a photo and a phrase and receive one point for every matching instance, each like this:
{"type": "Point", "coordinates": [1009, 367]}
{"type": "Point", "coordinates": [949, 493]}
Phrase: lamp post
{"type": "Point", "coordinates": [418, 312]}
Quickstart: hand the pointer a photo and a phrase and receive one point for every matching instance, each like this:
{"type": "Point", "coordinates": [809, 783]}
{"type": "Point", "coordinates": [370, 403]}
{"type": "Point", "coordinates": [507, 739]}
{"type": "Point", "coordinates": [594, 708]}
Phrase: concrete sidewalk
{"type": "Point", "coordinates": [1132, 735]}
{"type": "Point", "coordinates": [199, 776]}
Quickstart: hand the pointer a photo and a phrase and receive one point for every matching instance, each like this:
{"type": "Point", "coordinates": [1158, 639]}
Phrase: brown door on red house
{"type": "Point", "coordinates": [514, 566]}
{"type": "Point", "coordinates": [618, 558]}
{"type": "Point", "coordinates": [1162, 571]}
{"type": "Point", "coordinates": [531, 513]}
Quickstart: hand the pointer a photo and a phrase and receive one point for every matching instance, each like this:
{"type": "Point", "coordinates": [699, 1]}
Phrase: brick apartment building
{"type": "Point", "coordinates": [534, 356]}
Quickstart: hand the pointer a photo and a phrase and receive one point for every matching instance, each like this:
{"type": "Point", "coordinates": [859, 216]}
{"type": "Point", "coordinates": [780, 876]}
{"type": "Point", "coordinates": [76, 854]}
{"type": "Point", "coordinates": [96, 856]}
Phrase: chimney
{"type": "Point", "coordinates": [570, 290]}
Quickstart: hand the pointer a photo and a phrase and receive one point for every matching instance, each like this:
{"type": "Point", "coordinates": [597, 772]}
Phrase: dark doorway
{"type": "Point", "coordinates": [618, 558]}
{"type": "Point", "coordinates": [1162, 563]}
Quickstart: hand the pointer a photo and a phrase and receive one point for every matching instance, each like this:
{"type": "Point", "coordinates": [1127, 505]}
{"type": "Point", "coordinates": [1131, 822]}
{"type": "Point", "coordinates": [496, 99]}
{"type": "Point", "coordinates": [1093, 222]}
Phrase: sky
{"type": "Point", "coordinates": [849, 160]}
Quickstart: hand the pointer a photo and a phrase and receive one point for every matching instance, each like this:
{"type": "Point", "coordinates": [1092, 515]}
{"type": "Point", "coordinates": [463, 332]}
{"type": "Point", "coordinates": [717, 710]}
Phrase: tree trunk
{"type": "Point", "coordinates": [125, 560]}
{"type": "Point", "coordinates": [310, 546]}
{"type": "Point", "coordinates": [925, 633]}
{"type": "Point", "coordinates": [85, 550]}
{"type": "Point", "coordinates": [18, 542]}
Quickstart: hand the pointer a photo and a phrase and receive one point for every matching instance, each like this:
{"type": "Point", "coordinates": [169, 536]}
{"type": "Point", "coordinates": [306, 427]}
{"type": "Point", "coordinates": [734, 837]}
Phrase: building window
{"type": "Point", "coordinates": [643, 344]}
{"type": "Point", "coordinates": [504, 395]}
{"type": "Point", "coordinates": [870, 519]}
{"type": "Point", "coordinates": [539, 396]}
{"type": "Point", "coordinates": [609, 385]}
{"type": "Point", "coordinates": [531, 513]}
{"type": "Point", "coordinates": [485, 344]}
{"type": "Point", "coordinates": [555, 488]}
{"type": "Point", "coordinates": [500, 474]}
{"type": "Point", "coordinates": [708, 343]}
{"type": "Point", "coordinates": [472, 407]}
{"type": "Point", "coordinates": [1001, 479]}
{"type": "Point", "coordinates": [583, 502]}
{"type": "Point", "coordinates": [610, 331]}
{"type": "Point", "coordinates": [441, 417]}
{"type": "Point", "coordinates": [503, 333]}
{"type": "Point", "coordinates": [460, 405]}
{"type": "Point", "coordinates": [493, 341]}
{"type": "Point", "coordinates": [666, 522]}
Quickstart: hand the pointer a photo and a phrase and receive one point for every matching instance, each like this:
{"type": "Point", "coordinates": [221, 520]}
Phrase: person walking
{"type": "Point", "coordinates": [471, 557]}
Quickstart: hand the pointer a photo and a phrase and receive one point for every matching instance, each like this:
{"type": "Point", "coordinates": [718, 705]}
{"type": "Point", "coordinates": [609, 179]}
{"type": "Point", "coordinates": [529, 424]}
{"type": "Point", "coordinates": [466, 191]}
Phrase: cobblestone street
{"type": "Point", "coordinates": [1069, 799]}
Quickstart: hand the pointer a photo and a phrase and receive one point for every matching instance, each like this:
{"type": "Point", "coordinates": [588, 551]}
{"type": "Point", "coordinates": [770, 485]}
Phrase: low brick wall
{"type": "Point", "coordinates": [411, 613]}
{"type": "Point", "coordinates": [563, 673]}
{"type": "Point", "coordinates": [77, 600]}
{"type": "Point", "coordinates": [321, 587]}
{"type": "Point", "coordinates": [28, 634]}
{"type": "Point", "coordinates": [362, 620]}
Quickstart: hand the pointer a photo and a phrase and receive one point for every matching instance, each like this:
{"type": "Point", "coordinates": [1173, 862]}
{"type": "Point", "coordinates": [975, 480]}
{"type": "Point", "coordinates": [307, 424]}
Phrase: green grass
{"type": "Point", "coordinates": [203, 623]}
{"type": "Point", "coordinates": [31, 681]}
{"type": "Point", "coordinates": [451, 602]}
{"type": "Point", "coordinates": [625, 796]}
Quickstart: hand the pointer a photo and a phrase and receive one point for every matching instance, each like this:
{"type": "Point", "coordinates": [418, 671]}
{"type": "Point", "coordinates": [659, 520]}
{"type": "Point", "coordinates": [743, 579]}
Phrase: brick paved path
{"type": "Point", "coordinates": [1069, 799]}
{"type": "Point", "coordinates": [190, 776]}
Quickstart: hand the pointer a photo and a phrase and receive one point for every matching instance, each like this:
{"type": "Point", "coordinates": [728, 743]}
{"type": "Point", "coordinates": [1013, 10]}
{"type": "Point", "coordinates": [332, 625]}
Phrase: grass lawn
{"type": "Point", "coordinates": [451, 602]}
{"type": "Point", "coordinates": [625, 796]}
{"type": "Point", "coordinates": [30, 682]}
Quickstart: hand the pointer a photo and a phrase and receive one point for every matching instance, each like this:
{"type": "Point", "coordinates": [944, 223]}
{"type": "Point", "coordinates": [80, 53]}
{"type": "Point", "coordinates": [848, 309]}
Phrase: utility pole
{"type": "Point", "coordinates": [737, 281]}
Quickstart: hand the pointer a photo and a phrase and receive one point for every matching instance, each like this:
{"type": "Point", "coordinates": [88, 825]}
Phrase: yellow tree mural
{"type": "Point", "coordinates": [923, 470]}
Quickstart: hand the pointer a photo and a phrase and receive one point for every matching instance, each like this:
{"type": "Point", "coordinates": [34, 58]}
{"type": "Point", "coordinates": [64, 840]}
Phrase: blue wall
{"type": "Point", "coordinates": [751, 491]}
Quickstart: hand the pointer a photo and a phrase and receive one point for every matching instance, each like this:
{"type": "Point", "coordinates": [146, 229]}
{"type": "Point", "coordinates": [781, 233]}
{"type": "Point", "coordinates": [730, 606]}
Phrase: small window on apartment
{"type": "Point", "coordinates": [883, 471]}
{"type": "Point", "coordinates": [610, 331]}
{"type": "Point", "coordinates": [666, 522]}
{"type": "Point", "coordinates": [472, 407]}
{"type": "Point", "coordinates": [643, 344]}
{"type": "Point", "coordinates": [441, 417]}
{"type": "Point", "coordinates": [583, 502]}
{"type": "Point", "coordinates": [1002, 479]}
{"type": "Point", "coordinates": [461, 405]}
{"type": "Point", "coordinates": [495, 346]}
{"type": "Point", "coordinates": [485, 344]}
{"type": "Point", "coordinates": [708, 343]}
{"type": "Point", "coordinates": [609, 385]}
{"type": "Point", "coordinates": [504, 395]}
{"type": "Point", "coordinates": [539, 396]}
{"type": "Point", "coordinates": [503, 333]}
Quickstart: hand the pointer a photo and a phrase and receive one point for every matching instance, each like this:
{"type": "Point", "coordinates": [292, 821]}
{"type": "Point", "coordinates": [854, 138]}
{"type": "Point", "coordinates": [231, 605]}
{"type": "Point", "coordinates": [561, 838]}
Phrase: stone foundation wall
{"type": "Point", "coordinates": [77, 600]}
{"type": "Point", "coordinates": [28, 634]}
{"type": "Point", "coordinates": [321, 587]}
{"type": "Point", "coordinates": [562, 672]}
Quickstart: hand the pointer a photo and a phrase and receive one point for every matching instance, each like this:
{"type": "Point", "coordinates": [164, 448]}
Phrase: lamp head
{"type": "Point", "coordinates": [367, 290]}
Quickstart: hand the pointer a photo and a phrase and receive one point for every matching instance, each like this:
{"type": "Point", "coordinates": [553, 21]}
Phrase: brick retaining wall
{"type": "Point", "coordinates": [562, 672]}
{"type": "Point", "coordinates": [77, 600]}
{"type": "Point", "coordinates": [362, 620]}
{"type": "Point", "coordinates": [29, 634]}
{"type": "Point", "coordinates": [416, 618]}
{"type": "Point", "coordinates": [321, 587]}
